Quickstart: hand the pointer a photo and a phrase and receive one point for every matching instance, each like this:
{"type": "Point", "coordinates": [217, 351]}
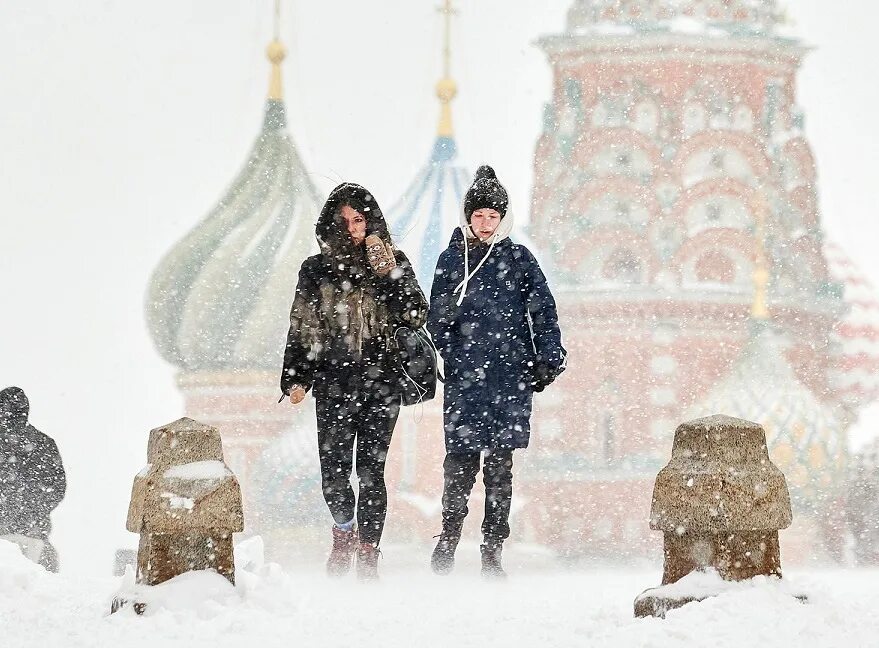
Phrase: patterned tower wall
{"type": "Point", "coordinates": [657, 154]}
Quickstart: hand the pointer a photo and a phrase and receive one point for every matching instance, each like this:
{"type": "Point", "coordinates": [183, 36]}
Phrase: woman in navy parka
{"type": "Point", "coordinates": [494, 322]}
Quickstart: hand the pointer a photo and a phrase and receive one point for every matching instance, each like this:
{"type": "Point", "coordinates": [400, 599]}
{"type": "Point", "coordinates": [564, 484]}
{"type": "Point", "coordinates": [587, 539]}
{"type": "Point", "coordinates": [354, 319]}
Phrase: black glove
{"type": "Point", "coordinates": [543, 377]}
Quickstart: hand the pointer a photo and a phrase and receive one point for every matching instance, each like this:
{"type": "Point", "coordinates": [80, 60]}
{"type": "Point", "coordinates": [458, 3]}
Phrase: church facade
{"type": "Point", "coordinates": [675, 185]}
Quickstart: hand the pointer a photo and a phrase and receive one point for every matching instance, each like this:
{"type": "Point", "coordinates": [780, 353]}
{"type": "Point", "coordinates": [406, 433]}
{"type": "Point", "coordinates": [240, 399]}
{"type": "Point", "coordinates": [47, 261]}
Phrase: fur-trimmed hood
{"type": "Point", "coordinates": [332, 232]}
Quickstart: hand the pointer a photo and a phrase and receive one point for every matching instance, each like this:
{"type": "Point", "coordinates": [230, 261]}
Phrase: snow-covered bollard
{"type": "Point", "coordinates": [185, 504]}
{"type": "Point", "coordinates": [719, 503]}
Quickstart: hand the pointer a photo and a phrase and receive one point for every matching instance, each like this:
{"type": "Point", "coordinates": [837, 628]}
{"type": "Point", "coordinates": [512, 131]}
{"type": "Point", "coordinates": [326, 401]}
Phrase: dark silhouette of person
{"type": "Point", "coordinates": [32, 480]}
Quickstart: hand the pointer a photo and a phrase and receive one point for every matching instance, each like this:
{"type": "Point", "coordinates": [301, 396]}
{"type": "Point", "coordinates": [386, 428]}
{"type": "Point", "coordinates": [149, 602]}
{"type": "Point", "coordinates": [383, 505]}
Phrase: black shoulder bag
{"type": "Point", "coordinates": [416, 359]}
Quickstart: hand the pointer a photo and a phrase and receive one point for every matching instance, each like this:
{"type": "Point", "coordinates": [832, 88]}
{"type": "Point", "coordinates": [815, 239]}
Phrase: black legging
{"type": "Point", "coordinates": [360, 409]}
{"type": "Point", "coordinates": [497, 474]}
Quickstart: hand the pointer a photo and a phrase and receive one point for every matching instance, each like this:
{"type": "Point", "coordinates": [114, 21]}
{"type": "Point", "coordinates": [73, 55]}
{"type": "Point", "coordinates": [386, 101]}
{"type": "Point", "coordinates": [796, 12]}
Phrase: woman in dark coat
{"type": "Point", "coordinates": [349, 301]}
{"type": "Point", "coordinates": [494, 322]}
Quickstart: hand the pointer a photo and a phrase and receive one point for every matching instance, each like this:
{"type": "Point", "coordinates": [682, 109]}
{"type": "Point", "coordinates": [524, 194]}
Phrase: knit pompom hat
{"type": "Point", "coordinates": [485, 191]}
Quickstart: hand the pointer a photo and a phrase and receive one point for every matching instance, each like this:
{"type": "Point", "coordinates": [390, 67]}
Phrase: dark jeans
{"type": "Point", "coordinates": [497, 474]}
{"type": "Point", "coordinates": [362, 412]}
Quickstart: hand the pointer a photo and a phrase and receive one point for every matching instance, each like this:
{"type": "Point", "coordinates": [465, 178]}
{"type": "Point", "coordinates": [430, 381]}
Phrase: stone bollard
{"type": "Point", "coordinates": [185, 504]}
{"type": "Point", "coordinates": [720, 503]}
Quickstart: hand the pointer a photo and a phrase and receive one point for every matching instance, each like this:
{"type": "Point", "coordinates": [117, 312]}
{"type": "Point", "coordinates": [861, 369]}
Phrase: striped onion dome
{"type": "Point", "coordinates": [855, 371]}
{"type": "Point", "coordinates": [423, 219]}
{"type": "Point", "coordinates": [805, 437]}
{"type": "Point", "coordinates": [220, 299]}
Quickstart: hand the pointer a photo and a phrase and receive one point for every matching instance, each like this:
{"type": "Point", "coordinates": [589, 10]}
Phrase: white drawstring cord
{"type": "Point", "coordinates": [466, 267]}
{"type": "Point", "coordinates": [467, 274]}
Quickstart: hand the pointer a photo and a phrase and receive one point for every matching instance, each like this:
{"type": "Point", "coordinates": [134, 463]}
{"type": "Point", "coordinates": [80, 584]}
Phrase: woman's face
{"type": "Point", "coordinates": [355, 223]}
{"type": "Point", "coordinates": [484, 222]}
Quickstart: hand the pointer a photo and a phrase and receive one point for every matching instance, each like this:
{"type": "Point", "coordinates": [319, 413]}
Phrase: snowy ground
{"type": "Point", "coordinates": [414, 608]}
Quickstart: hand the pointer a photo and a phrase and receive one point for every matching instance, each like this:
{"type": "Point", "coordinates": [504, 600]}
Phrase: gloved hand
{"type": "Point", "coordinates": [544, 375]}
{"type": "Point", "coordinates": [380, 255]}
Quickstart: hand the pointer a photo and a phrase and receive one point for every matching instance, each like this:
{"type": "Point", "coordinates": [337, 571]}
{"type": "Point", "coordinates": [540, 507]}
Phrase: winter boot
{"type": "Point", "coordinates": [367, 561]}
{"type": "Point", "coordinates": [344, 546]}
{"type": "Point", "coordinates": [442, 560]}
{"type": "Point", "coordinates": [491, 560]}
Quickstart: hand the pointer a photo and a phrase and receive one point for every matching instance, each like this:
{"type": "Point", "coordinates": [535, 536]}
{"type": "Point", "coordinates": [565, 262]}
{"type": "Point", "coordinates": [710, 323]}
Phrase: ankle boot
{"type": "Point", "coordinates": [367, 561]}
{"type": "Point", "coordinates": [442, 560]}
{"type": "Point", "coordinates": [491, 560]}
{"type": "Point", "coordinates": [344, 546]}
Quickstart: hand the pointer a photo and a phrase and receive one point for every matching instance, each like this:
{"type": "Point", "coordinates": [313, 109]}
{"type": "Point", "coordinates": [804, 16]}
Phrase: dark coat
{"type": "Point", "coordinates": [343, 316]}
{"type": "Point", "coordinates": [32, 479]}
{"type": "Point", "coordinates": [499, 346]}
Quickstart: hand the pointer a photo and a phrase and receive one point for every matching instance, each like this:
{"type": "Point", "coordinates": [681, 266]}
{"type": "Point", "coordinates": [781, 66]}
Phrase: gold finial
{"type": "Point", "coordinates": [759, 309]}
{"type": "Point", "coordinates": [276, 53]}
{"type": "Point", "coordinates": [446, 89]}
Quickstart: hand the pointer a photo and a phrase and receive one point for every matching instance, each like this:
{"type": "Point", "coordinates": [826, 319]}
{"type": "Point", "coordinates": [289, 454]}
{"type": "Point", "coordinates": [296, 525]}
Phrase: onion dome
{"type": "Point", "coordinates": [220, 298]}
{"type": "Point", "coordinates": [855, 372]}
{"type": "Point", "coordinates": [804, 436]}
{"type": "Point", "coordinates": [692, 16]}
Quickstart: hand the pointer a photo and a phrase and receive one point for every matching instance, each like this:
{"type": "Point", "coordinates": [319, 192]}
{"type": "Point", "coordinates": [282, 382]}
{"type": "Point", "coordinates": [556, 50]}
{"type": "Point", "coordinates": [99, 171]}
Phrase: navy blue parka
{"type": "Point", "coordinates": [499, 345]}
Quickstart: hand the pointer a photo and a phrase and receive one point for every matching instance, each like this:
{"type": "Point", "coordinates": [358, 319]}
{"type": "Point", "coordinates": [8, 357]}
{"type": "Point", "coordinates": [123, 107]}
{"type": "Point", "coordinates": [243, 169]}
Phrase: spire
{"type": "Point", "coordinates": [276, 53]}
{"type": "Point", "coordinates": [446, 89]}
{"type": "Point", "coordinates": [759, 311]}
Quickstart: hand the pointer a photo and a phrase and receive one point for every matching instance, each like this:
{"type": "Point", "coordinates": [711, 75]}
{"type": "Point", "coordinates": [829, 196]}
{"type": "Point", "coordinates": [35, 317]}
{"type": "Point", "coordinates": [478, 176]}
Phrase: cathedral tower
{"type": "Point", "coordinates": [673, 152]}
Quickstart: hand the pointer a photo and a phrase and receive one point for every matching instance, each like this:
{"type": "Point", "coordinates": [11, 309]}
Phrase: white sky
{"type": "Point", "coordinates": [123, 122]}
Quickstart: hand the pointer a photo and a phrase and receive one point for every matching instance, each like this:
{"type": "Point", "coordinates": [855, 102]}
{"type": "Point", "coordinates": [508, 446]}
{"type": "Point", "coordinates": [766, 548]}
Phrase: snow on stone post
{"type": "Point", "coordinates": [185, 504]}
{"type": "Point", "coordinates": [719, 503]}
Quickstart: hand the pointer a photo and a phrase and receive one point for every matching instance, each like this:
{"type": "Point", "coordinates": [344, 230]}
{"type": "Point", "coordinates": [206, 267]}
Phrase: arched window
{"type": "Point", "coordinates": [719, 266]}
{"type": "Point", "coordinates": [743, 119]}
{"type": "Point", "coordinates": [622, 266]}
{"type": "Point", "coordinates": [717, 162]}
{"type": "Point", "coordinates": [721, 211]}
{"type": "Point", "coordinates": [612, 110]}
{"type": "Point", "coordinates": [621, 160]}
{"type": "Point", "coordinates": [694, 119]}
{"type": "Point", "coordinates": [666, 239]}
{"type": "Point", "coordinates": [645, 118]}
{"type": "Point", "coordinates": [715, 267]}
{"type": "Point", "coordinates": [618, 210]}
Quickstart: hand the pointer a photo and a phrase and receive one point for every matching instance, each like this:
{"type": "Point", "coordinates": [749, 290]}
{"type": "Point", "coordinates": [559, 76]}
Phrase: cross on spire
{"type": "Point", "coordinates": [446, 89]}
{"type": "Point", "coordinates": [447, 10]}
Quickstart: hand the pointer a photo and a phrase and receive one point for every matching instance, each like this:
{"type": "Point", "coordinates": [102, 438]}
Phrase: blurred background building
{"type": "Point", "coordinates": [673, 167]}
{"type": "Point", "coordinates": [675, 212]}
